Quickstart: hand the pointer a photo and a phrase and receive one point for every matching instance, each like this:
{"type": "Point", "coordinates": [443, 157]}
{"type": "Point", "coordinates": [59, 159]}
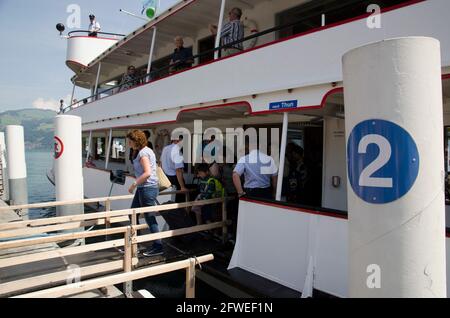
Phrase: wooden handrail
{"type": "Point", "coordinates": [98, 215]}
{"type": "Point", "coordinates": [129, 241]}
{"type": "Point", "coordinates": [83, 201]}
{"type": "Point", "coordinates": [76, 288]}
{"type": "Point", "coordinates": [28, 283]}
{"type": "Point", "coordinates": [24, 259]}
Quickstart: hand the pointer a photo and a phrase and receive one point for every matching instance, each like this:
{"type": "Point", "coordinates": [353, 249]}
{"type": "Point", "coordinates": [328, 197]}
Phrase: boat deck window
{"type": "Point", "coordinates": [309, 16]}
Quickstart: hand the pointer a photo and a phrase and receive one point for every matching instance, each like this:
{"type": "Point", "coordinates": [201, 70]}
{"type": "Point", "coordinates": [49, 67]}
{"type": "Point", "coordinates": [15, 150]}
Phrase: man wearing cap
{"type": "Point", "coordinates": [172, 163]}
{"type": "Point", "coordinates": [94, 26]}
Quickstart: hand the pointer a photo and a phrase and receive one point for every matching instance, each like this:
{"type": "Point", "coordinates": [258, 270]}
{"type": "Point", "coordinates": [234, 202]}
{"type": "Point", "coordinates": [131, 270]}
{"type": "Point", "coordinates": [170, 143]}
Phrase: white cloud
{"type": "Point", "coordinates": [52, 104]}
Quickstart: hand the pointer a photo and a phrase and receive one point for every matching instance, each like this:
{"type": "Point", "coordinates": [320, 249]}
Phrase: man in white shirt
{"type": "Point", "coordinates": [94, 26]}
{"type": "Point", "coordinates": [172, 163]}
{"type": "Point", "coordinates": [260, 174]}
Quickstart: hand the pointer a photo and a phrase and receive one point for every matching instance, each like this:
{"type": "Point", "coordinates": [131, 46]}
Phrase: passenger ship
{"type": "Point", "coordinates": [289, 76]}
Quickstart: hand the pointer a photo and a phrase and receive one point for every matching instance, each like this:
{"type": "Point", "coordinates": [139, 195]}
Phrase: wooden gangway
{"type": "Point", "coordinates": [31, 273]}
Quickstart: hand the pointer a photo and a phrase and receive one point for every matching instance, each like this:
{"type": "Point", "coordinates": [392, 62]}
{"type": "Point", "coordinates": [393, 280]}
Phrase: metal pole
{"type": "Point", "coordinates": [90, 146]}
{"type": "Point", "coordinates": [108, 149]}
{"type": "Point", "coordinates": [96, 80]}
{"type": "Point", "coordinates": [73, 93]}
{"type": "Point", "coordinates": [282, 156]}
{"type": "Point", "coordinates": [152, 47]}
{"type": "Point", "coordinates": [219, 29]}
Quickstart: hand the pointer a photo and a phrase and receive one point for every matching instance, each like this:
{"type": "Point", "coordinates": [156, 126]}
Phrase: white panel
{"type": "Point", "coordinates": [334, 164]}
{"type": "Point", "coordinates": [331, 271]}
{"type": "Point", "coordinates": [272, 243]}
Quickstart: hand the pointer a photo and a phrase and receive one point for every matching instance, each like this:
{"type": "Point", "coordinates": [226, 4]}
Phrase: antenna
{"type": "Point", "coordinates": [133, 15]}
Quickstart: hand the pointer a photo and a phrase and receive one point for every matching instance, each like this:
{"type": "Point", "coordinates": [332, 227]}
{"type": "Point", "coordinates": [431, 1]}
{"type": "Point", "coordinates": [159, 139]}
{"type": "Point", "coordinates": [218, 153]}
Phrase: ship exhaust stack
{"type": "Point", "coordinates": [17, 169]}
{"type": "Point", "coordinates": [394, 133]}
{"type": "Point", "coordinates": [68, 164]}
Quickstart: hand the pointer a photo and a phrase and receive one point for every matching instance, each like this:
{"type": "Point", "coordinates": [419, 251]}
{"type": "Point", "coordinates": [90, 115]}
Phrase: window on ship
{"type": "Point", "coordinates": [309, 15]}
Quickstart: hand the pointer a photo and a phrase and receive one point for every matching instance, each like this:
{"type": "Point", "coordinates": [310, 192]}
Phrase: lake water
{"type": "Point", "coordinates": [39, 187]}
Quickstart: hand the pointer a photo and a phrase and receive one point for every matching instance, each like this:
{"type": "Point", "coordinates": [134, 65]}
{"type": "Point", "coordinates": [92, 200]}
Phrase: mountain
{"type": "Point", "coordinates": [37, 124]}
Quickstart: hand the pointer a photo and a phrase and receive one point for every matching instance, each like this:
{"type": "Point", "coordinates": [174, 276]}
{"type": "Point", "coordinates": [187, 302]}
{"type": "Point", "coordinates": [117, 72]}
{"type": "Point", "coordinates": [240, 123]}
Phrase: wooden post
{"type": "Point", "coordinates": [134, 234]}
{"type": "Point", "coordinates": [190, 279]}
{"type": "Point", "coordinates": [107, 219]}
{"type": "Point", "coordinates": [224, 219]}
{"type": "Point", "coordinates": [127, 263]}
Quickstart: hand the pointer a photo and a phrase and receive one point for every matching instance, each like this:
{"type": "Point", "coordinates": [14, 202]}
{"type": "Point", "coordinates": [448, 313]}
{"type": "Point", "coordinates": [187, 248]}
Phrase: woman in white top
{"type": "Point", "coordinates": [146, 184]}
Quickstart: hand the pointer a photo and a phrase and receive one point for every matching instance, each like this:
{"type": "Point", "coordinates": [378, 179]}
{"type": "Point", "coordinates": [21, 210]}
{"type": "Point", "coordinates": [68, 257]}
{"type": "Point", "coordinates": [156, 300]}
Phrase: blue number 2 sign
{"type": "Point", "coordinates": [382, 161]}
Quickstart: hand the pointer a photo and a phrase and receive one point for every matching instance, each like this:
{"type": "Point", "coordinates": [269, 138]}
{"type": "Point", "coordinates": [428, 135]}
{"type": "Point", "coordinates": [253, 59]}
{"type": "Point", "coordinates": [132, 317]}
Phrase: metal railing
{"type": "Point", "coordinates": [22, 234]}
{"type": "Point", "coordinates": [101, 33]}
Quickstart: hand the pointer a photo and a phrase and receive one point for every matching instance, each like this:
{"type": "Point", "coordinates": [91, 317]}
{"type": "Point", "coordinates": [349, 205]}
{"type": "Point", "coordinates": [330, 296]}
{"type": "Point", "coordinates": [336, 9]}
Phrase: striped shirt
{"type": "Point", "coordinates": [231, 32]}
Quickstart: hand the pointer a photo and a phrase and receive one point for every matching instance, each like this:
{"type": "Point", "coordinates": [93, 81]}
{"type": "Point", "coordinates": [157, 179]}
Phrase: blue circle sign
{"type": "Point", "coordinates": [382, 161]}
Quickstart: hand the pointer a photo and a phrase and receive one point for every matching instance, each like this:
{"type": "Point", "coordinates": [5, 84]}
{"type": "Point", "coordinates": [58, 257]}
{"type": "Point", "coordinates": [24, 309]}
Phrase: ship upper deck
{"type": "Point", "coordinates": [285, 46]}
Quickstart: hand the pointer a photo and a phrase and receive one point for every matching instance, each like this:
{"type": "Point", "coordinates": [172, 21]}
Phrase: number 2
{"type": "Point", "coordinates": [366, 179]}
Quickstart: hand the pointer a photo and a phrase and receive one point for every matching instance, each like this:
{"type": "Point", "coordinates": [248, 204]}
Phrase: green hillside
{"type": "Point", "coordinates": [37, 123]}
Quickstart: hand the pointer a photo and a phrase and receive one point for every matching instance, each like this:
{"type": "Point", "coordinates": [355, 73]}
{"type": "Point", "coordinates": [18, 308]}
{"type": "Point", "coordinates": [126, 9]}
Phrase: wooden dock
{"type": "Point", "coordinates": [32, 262]}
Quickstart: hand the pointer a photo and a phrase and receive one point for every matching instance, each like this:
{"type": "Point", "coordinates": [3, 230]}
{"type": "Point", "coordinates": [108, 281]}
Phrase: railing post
{"type": "Point", "coordinates": [107, 219]}
{"type": "Point", "coordinates": [224, 219]}
{"type": "Point", "coordinates": [219, 29]}
{"type": "Point", "coordinates": [134, 234]}
{"type": "Point", "coordinates": [190, 279]}
{"type": "Point", "coordinates": [127, 263]}
{"type": "Point", "coordinates": [96, 80]}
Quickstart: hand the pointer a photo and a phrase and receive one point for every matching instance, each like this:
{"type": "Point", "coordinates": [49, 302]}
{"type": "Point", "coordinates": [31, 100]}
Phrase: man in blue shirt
{"type": "Point", "coordinates": [182, 57]}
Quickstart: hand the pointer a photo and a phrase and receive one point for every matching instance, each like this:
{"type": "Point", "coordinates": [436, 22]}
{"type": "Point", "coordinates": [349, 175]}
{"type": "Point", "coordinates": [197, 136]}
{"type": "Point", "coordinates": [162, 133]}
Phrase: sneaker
{"type": "Point", "coordinates": [122, 251]}
{"type": "Point", "coordinates": [154, 251]}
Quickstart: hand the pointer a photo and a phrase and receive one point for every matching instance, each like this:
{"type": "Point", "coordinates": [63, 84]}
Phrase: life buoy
{"type": "Point", "coordinates": [250, 27]}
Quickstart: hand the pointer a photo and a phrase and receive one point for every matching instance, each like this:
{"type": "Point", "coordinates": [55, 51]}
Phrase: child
{"type": "Point", "coordinates": [209, 188]}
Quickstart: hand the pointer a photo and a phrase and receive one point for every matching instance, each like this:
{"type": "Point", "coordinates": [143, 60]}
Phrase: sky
{"type": "Point", "coordinates": [33, 73]}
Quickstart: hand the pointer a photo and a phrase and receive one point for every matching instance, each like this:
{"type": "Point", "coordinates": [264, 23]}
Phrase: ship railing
{"type": "Point", "coordinates": [24, 234]}
{"type": "Point", "coordinates": [86, 33]}
{"type": "Point", "coordinates": [166, 70]}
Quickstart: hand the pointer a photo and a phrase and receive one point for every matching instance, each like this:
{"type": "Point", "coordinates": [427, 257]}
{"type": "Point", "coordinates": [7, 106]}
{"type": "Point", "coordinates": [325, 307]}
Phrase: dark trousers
{"type": "Point", "coordinates": [260, 193]}
{"type": "Point", "coordinates": [179, 197]}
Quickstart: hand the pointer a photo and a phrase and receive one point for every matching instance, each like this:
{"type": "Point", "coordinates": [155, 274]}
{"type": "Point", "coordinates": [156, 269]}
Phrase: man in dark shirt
{"type": "Point", "coordinates": [181, 57]}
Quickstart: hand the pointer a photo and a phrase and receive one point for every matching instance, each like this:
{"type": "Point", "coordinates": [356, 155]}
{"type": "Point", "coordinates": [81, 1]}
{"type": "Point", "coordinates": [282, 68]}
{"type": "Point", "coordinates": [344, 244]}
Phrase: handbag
{"type": "Point", "coordinates": [164, 182]}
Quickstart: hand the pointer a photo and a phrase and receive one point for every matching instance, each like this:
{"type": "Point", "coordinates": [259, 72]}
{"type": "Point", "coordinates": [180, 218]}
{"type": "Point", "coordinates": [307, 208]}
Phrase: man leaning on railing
{"type": "Point", "coordinates": [231, 32]}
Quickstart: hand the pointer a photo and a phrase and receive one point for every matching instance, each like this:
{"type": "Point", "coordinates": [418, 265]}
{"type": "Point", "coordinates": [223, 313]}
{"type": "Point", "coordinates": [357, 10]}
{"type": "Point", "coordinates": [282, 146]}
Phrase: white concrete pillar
{"type": "Point", "coordinates": [68, 163]}
{"type": "Point", "coordinates": [4, 195]}
{"type": "Point", "coordinates": [394, 130]}
{"type": "Point", "coordinates": [17, 169]}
